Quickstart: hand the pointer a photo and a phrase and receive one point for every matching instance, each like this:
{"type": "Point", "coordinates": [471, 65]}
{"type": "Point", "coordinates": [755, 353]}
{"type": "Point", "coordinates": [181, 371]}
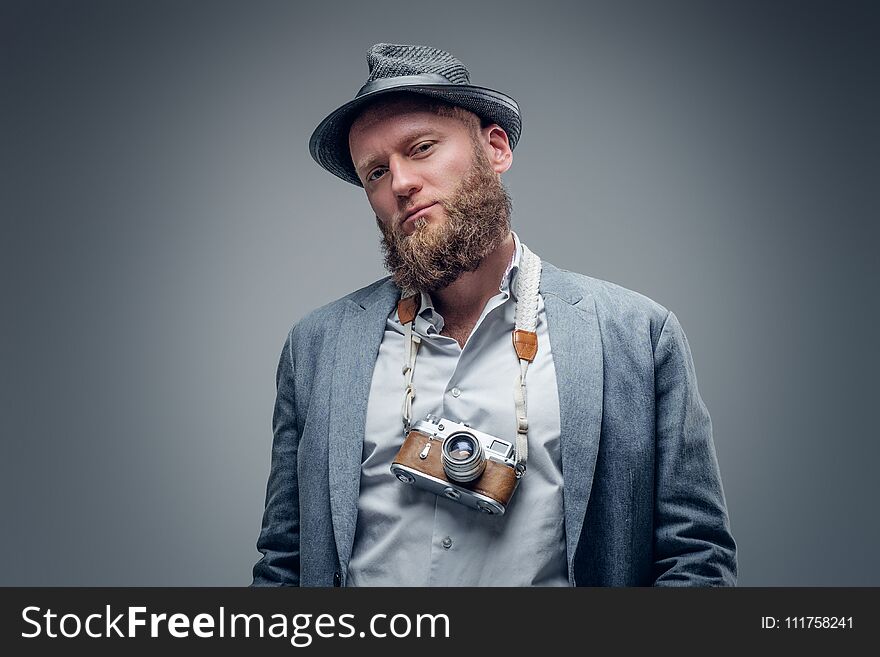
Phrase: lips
{"type": "Point", "coordinates": [412, 214]}
{"type": "Point", "coordinates": [416, 210]}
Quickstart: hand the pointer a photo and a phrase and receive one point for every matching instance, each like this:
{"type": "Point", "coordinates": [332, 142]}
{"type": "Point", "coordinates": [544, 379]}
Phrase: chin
{"type": "Point", "coordinates": [430, 221]}
{"type": "Point", "coordinates": [419, 228]}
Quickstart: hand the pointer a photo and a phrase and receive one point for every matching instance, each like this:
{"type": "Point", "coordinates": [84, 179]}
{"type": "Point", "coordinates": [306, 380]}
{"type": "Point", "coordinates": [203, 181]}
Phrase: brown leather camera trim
{"type": "Point", "coordinates": [526, 344]}
{"type": "Point", "coordinates": [498, 481]}
{"type": "Point", "coordinates": [408, 308]}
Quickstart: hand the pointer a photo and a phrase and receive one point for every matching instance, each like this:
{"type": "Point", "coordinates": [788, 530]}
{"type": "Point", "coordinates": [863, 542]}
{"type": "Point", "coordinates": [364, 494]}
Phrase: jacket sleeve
{"type": "Point", "coordinates": [279, 536]}
{"type": "Point", "coordinates": [693, 545]}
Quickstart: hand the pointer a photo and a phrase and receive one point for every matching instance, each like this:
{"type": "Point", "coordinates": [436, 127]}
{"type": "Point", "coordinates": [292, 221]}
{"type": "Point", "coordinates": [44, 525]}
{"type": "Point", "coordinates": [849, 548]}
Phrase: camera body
{"type": "Point", "coordinates": [453, 460]}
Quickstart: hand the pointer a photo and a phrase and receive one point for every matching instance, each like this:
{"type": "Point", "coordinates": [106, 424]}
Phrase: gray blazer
{"type": "Point", "coordinates": [642, 494]}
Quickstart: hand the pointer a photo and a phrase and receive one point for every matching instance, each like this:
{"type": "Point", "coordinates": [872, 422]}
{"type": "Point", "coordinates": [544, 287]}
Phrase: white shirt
{"type": "Point", "coordinates": [410, 537]}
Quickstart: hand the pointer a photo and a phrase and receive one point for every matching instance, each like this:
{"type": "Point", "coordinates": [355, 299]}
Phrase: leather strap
{"type": "Point", "coordinates": [526, 344]}
{"type": "Point", "coordinates": [408, 308]}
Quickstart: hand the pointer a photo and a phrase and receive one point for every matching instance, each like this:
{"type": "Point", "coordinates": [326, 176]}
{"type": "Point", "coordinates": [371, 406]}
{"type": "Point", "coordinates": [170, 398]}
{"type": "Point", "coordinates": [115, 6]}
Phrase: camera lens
{"type": "Point", "coordinates": [463, 458]}
{"type": "Point", "coordinates": [461, 448]}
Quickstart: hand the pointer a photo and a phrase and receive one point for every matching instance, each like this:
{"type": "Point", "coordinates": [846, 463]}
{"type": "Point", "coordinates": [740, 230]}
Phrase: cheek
{"type": "Point", "coordinates": [383, 209]}
{"type": "Point", "coordinates": [445, 176]}
{"type": "Point", "coordinates": [380, 206]}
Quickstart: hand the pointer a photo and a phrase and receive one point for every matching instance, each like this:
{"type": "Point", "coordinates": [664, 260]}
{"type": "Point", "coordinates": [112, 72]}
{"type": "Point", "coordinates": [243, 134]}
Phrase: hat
{"type": "Point", "coordinates": [421, 70]}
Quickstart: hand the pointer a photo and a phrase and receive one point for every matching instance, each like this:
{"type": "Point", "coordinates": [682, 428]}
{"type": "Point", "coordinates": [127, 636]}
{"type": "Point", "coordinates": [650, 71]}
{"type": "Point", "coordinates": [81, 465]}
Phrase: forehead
{"type": "Point", "coordinates": [385, 123]}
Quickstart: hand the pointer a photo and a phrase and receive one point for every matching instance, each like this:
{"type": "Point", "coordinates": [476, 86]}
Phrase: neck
{"type": "Point", "coordinates": [466, 297]}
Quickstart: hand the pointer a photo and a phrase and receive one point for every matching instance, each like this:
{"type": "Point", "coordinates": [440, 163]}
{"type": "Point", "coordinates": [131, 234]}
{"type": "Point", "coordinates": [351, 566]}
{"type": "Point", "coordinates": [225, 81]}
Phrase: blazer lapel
{"type": "Point", "coordinates": [577, 357]}
{"type": "Point", "coordinates": [360, 333]}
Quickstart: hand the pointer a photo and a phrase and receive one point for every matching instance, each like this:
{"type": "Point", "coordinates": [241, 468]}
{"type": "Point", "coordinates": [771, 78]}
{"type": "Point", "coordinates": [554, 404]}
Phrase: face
{"type": "Point", "coordinates": [433, 182]}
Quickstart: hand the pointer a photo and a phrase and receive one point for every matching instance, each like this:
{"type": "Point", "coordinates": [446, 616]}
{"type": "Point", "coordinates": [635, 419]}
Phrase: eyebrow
{"type": "Point", "coordinates": [371, 160]}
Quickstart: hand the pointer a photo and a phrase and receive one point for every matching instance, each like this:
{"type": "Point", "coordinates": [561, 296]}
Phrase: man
{"type": "Point", "coordinates": [590, 388]}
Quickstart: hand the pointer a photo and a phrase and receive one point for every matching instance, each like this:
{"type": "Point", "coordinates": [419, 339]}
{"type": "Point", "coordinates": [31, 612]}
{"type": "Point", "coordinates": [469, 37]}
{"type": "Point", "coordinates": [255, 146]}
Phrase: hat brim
{"type": "Point", "coordinates": [329, 142]}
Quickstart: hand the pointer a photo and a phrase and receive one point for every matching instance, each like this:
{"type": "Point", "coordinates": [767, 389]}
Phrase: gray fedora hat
{"type": "Point", "coordinates": [416, 69]}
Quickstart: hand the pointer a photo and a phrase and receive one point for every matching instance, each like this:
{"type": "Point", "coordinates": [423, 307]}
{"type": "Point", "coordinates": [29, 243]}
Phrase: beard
{"type": "Point", "coordinates": [477, 220]}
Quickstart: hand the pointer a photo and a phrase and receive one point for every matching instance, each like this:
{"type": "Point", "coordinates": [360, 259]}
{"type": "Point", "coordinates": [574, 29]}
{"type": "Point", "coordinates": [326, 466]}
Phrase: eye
{"type": "Point", "coordinates": [424, 147]}
{"type": "Point", "coordinates": [375, 174]}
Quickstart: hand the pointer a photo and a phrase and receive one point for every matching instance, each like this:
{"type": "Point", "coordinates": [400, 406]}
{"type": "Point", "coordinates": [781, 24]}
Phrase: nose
{"type": "Point", "coordinates": [404, 179]}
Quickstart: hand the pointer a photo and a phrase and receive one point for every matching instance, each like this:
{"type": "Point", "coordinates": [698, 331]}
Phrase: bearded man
{"type": "Point", "coordinates": [480, 417]}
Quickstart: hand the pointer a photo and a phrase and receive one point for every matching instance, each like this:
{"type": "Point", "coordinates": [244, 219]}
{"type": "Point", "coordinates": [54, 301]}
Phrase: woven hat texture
{"type": "Point", "coordinates": [387, 60]}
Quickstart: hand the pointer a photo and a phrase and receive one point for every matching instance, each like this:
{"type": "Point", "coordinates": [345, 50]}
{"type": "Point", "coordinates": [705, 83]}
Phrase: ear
{"type": "Point", "coordinates": [497, 147]}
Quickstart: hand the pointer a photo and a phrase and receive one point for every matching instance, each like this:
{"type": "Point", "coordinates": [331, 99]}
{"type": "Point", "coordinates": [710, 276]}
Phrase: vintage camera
{"type": "Point", "coordinates": [458, 462]}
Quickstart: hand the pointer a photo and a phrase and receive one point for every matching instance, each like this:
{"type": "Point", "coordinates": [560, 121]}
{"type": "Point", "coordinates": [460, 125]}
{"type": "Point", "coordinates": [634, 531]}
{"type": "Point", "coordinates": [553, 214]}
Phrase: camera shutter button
{"type": "Point", "coordinates": [447, 543]}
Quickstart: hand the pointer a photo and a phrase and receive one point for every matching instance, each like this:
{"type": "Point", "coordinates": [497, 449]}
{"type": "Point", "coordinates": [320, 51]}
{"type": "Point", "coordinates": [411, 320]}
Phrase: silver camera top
{"type": "Point", "coordinates": [496, 449]}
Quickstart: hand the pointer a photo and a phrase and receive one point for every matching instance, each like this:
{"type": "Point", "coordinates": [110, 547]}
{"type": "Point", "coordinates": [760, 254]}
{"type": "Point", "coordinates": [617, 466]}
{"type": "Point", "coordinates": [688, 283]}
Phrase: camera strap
{"type": "Point", "coordinates": [525, 343]}
{"type": "Point", "coordinates": [407, 310]}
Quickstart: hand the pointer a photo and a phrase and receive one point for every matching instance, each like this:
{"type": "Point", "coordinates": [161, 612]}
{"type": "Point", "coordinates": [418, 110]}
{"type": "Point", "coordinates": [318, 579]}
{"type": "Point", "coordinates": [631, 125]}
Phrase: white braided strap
{"type": "Point", "coordinates": [527, 282]}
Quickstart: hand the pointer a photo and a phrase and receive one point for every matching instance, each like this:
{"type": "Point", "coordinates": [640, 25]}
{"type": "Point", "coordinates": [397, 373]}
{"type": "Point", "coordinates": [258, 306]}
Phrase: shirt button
{"type": "Point", "coordinates": [456, 392]}
{"type": "Point", "coordinates": [447, 543]}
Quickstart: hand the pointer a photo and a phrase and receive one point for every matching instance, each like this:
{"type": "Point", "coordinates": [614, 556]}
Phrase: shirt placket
{"type": "Point", "coordinates": [458, 405]}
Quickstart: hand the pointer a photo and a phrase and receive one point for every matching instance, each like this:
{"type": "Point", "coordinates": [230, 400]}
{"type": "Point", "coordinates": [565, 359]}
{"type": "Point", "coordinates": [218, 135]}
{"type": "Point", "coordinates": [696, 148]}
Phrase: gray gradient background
{"type": "Point", "coordinates": [164, 225]}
